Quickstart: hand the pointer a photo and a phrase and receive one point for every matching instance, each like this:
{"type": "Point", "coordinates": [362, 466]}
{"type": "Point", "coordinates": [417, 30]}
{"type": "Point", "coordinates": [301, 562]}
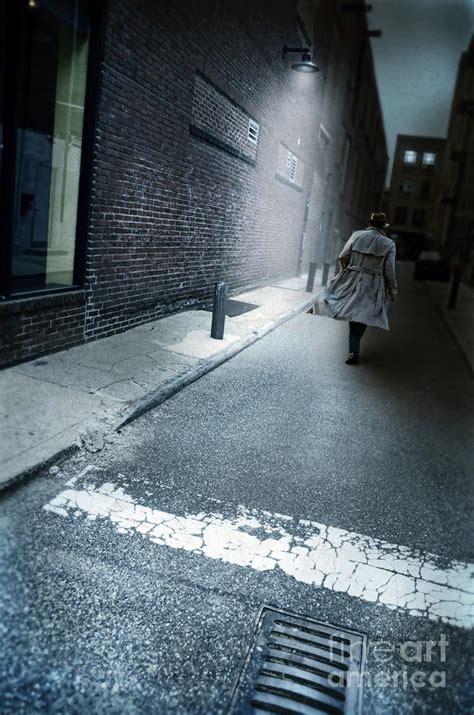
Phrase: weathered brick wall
{"type": "Point", "coordinates": [219, 121]}
{"type": "Point", "coordinates": [181, 196]}
{"type": "Point", "coordinates": [33, 327]}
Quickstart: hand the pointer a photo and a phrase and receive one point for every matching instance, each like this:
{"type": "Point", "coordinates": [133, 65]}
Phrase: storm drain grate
{"type": "Point", "coordinates": [299, 665]}
{"type": "Point", "coordinates": [234, 308]}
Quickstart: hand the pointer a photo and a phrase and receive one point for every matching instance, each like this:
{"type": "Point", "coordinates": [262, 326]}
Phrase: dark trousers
{"type": "Point", "coordinates": [356, 331]}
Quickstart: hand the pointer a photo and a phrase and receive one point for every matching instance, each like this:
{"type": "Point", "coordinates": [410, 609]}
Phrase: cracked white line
{"type": "Point", "coordinates": [371, 569]}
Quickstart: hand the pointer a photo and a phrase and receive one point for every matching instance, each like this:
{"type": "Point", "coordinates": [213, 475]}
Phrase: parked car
{"type": "Point", "coordinates": [432, 266]}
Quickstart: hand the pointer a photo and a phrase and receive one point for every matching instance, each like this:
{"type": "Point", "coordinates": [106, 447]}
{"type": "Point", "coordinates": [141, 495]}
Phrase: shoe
{"type": "Point", "coordinates": [353, 359]}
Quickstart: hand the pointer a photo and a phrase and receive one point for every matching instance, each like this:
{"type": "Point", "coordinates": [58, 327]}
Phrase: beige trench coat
{"type": "Point", "coordinates": [362, 289]}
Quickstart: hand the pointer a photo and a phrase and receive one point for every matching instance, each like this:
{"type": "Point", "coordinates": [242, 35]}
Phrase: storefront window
{"type": "Point", "coordinates": [50, 66]}
{"type": "Point", "coordinates": [2, 90]}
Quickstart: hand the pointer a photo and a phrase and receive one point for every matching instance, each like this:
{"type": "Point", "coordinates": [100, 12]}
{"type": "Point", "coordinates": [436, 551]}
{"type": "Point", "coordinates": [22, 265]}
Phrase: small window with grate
{"type": "Point", "coordinates": [409, 156]}
{"type": "Point", "coordinates": [292, 164]}
{"type": "Point", "coordinates": [253, 130]}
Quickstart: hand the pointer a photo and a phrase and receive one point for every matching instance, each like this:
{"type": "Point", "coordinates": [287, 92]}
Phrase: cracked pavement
{"type": "Point", "coordinates": [387, 574]}
{"type": "Point", "coordinates": [132, 577]}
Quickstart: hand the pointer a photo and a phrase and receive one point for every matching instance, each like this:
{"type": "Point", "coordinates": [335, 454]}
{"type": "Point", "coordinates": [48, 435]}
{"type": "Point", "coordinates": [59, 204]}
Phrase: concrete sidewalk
{"type": "Point", "coordinates": [460, 321]}
{"type": "Point", "coordinates": [79, 397]}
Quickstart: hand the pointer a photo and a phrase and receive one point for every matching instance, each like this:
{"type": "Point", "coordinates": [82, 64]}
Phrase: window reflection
{"type": "Point", "coordinates": [52, 64]}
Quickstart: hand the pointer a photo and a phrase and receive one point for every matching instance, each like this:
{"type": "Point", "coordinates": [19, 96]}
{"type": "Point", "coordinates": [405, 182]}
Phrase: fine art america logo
{"type": "Point", "coordinates": [404, 665]}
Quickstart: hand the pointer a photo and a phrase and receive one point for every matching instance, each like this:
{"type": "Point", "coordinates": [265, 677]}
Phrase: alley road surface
{"type": "Point", "coordinates": [132, 579]}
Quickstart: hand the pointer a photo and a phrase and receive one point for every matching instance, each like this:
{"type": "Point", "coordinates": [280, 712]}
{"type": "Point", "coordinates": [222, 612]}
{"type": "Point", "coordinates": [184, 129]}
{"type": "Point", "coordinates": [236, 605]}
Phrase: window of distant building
{"type": "Point", "coordinates": [406, 187]}
{"type": "Point", "coordinates": [429, 158]}
{"type": "Point", "coordinates": [425, 190]}
{"type": "Point", "coordinates": [401, 214]}
{"type": "Point", "coordinates": [409, 156]}
{"type": "Point", "coordinates": [418, 218]}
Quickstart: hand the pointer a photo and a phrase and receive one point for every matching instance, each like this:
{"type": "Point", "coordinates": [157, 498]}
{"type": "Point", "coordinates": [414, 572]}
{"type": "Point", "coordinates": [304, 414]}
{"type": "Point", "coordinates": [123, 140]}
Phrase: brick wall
{"type": "Point", "coordinates": [219, 121]}
{"type": "Point", "coordinates": [33, 327]}
{"type": "Point", "coordinates": [181, 197]}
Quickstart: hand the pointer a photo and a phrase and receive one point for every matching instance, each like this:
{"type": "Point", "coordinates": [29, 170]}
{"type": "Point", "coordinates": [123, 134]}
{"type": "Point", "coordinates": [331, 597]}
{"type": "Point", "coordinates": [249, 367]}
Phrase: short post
{"type": "Point", "coordinates": [311, 277]}
{"type": "Point", "coordinates": [324, 280]}
{"type": "Point", "coordinates": [218, 311]}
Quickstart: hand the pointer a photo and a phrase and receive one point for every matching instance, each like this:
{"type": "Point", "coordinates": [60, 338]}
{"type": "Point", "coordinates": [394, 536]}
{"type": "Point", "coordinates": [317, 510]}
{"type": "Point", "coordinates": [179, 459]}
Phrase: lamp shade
{"type": "Point", "coordinates": [306, 64]}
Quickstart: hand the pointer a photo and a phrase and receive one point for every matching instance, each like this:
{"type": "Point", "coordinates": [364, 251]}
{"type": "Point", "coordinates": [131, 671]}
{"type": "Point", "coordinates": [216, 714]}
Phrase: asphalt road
{"type": "Point", "coordinates": [96, 617]}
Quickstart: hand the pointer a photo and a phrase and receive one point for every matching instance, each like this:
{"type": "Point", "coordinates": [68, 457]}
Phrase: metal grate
{"type": "Point", "coordinates": [253, 130]}
{"type": "Point", "coordinates": [292, 163]}
{"type": "Point", "coordinates": [299, 665]}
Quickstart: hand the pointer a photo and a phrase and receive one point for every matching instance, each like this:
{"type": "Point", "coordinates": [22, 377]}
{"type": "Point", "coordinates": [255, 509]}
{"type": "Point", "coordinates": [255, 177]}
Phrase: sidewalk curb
{"type": "Point", "coordinates": [33, 471]}
{"type": "Point", "coordinates": [170, 388]}
{"type": "Point", "coordinates": [443, 311]}
{"type": "Point", "coordinates": [455, 336]}
{"type": "Point", "coordinates": [163, 393]}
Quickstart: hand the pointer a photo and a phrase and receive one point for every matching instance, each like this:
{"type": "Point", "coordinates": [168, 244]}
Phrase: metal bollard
{"type": "Point", "coordinates": [218, 311]}
{"type": "Point", "coordinates": [311, 277]}
{"type": "Point", "coordinates": [324, 280]}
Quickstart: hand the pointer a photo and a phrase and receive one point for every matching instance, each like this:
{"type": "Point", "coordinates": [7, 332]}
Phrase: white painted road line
{"type": "Point", "coordinates": [376, 571]}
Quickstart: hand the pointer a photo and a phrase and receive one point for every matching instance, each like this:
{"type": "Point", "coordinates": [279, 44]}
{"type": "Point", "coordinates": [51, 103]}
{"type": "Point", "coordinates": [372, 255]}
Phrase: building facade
{"type": "Point", "coordinates": [454, 202]}
{"type": "Point", "coordinates": [409, 203]}
{"type": "Point", "coordinates": [151, 149]}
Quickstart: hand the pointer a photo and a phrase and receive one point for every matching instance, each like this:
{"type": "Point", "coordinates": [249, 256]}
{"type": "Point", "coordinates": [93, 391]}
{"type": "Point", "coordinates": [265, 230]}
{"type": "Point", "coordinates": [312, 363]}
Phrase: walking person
{"type": "Point", "coordinates": [366, 283]}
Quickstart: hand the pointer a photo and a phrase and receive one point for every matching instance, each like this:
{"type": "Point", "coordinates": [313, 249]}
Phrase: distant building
{"type": "Point", "coordinates": [414, 185]}
{"type": "Point", "coordinates": [455, 199]}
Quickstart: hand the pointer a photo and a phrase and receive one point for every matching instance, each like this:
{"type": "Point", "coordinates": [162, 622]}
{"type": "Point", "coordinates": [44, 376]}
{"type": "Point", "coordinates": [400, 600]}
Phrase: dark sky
{"type": "Point", "coordinates": [416, 61]}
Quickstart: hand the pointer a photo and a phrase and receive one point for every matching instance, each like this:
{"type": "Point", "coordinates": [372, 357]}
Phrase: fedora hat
{"type": "Point", "coordinates": [378, 218]}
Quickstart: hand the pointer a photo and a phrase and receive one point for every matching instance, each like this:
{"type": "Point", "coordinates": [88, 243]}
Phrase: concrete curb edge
{"type": "Point", "coordinates": [455, 336]}
{"type": "Point", "coordinates": [56, 458]}
{"type": "Point", "coordinates": [163, 393]}
{"type": "Point", "coordinates": [172, 387]}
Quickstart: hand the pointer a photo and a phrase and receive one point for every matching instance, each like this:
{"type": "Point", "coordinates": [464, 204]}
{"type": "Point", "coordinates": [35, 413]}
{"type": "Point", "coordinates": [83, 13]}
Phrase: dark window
{"type": "Point", "coordinates": [406, 187]}
{"type": "Point", "coordinates": [43, 140]}
{"type": "Point", "coordinates": [401, 215]}
{"type": "Point", "coordinates": [425, 190]}
{"type": "Point", "coordinates": [2, 82]}
{"type": "Point", "coordinates": [418, 218]}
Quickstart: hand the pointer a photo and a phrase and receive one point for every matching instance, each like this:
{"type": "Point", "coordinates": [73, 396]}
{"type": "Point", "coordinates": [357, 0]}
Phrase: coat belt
{"type": "Point", "coordinates": [364, 269]}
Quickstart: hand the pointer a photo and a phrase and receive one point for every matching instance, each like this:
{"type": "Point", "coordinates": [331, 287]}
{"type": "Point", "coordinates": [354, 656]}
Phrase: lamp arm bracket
{"type": "Point", "coordinates": [299, 50]}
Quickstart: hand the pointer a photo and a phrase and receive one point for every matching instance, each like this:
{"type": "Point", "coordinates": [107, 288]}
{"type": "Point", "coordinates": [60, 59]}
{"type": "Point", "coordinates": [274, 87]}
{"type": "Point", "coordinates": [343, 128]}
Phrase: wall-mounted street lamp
{"type": "Point", "coordinates": [306, 63]}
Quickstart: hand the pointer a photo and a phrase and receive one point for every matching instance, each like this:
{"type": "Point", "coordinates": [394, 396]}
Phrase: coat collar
{"type": "Point", "coordinates": [375, 228]}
